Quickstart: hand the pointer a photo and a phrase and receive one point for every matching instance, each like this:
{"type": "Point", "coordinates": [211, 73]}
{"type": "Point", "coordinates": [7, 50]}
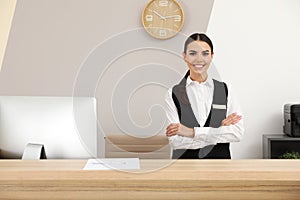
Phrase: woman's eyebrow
{"type": "Point", "coordinates": [194, 51]}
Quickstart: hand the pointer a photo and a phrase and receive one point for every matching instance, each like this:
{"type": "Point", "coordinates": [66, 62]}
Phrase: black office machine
{"type": "Point", "coordinates": [292, 120]}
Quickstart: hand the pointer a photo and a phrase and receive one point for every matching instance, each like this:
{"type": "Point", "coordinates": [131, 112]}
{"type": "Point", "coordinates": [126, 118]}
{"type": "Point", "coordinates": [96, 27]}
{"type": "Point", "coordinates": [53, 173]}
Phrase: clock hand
{"type": "Point", "coordinates": [171, 16]}
{"type": "Point", "coordinates": [177, 18]}
{"type": "Point", "coordinates": [162, 17]}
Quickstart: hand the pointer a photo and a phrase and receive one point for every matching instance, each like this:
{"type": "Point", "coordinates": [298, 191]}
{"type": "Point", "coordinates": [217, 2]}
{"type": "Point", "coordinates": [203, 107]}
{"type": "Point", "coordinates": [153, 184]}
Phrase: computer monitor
{"type": "Point", "coordinates": [66, 126]}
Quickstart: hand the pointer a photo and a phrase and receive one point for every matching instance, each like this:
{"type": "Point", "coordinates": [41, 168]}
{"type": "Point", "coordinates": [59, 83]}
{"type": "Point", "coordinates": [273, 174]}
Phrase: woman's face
{"type": "Point", "coordinates": [198, 57]}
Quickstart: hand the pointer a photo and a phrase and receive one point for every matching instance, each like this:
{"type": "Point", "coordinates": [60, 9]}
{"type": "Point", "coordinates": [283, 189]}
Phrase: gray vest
{"type": "Point", "coordinates": [217, 113]}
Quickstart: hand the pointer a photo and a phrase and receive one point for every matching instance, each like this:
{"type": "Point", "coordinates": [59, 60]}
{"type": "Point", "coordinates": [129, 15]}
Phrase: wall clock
{"type": "Point", "coordinates": [163, 19]}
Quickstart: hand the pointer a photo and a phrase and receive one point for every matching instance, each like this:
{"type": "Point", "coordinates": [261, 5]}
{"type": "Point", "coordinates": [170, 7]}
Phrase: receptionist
{"type": "Point", "coordinates": [203, 115]}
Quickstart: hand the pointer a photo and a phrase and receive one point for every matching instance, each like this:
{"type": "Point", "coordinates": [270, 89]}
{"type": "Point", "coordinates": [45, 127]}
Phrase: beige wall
{"type": "Point", "coordinates": [7, 9]}
{"type": "Point", "coordinates": [51, 41]}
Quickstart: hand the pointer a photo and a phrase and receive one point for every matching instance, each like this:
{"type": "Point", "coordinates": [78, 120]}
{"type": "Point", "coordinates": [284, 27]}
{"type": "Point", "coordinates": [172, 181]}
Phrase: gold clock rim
{"type": "Point", "coordinates": [176, 32]}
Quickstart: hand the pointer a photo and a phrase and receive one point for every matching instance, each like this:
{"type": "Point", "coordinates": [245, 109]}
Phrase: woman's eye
{"type": "Point", "coordinates": [205, 53]}
{"type": "Point", "coordinates": [192, 53]}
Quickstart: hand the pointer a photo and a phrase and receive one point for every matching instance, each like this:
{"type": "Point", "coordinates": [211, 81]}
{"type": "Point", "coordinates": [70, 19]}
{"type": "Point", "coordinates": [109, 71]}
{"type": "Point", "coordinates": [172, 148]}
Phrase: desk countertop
{"type": "Point", "coordinates": [157, 179]}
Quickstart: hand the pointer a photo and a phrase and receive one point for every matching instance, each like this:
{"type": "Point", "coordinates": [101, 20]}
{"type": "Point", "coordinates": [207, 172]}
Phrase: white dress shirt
{"type": "Point", "coordinates": [200, 96]}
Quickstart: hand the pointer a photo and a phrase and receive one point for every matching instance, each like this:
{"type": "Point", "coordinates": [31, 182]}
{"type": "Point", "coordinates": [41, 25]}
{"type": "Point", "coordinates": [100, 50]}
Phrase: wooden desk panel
{"type": "Point", "coordinates": [183, 179]}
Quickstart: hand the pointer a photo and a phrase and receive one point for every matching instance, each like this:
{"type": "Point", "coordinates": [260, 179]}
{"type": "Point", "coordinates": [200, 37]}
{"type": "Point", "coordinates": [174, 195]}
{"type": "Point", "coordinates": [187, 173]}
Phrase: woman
{"type": "Point", "coordinates": [202, 113]}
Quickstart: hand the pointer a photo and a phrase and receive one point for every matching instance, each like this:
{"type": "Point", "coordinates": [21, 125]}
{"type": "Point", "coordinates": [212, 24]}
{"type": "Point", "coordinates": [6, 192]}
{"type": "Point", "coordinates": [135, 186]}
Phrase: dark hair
{"type": "Point", "coordinates": [198, 37]}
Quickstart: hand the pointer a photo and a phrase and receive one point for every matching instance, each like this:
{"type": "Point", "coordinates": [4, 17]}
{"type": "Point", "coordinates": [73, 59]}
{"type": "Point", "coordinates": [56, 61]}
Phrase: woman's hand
{"type": "Point", "coordinates": [179, 129]}
{"type": "Point", "coordinates": [231, 119]}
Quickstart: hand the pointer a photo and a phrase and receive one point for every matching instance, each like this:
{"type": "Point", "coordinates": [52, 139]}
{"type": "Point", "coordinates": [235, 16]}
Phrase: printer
{"type": "Point", "coordinates": [292, 120]}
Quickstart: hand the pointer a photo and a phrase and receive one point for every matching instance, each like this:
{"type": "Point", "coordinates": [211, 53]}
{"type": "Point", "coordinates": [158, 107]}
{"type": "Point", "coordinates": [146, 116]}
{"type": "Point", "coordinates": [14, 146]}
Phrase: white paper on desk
{"type": "Point", "coordinates": [112, 164]}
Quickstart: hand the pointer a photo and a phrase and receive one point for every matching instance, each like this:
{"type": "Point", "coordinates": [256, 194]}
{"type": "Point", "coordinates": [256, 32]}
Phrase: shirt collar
{"type": "Point", "coordinates": [208, 82]}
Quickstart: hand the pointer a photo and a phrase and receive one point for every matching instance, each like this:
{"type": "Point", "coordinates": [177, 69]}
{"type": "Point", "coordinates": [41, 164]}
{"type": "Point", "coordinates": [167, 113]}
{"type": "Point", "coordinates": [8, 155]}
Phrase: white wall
{"type": "Point", "coordinates": [257, 48]}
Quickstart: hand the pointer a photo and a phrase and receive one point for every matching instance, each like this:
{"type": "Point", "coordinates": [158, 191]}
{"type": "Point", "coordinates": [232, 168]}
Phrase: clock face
{"type": "Point", "coordinates": [163, 19]}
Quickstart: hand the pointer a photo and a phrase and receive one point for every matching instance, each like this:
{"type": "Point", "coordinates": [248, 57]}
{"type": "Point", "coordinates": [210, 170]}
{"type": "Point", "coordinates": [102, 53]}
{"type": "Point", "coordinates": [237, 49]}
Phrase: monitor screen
{"type": "Point", "coordinates": [66, 126]}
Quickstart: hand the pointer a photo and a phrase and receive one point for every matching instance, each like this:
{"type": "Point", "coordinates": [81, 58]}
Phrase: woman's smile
{"type": "Point", "coordinates": [199, 66]}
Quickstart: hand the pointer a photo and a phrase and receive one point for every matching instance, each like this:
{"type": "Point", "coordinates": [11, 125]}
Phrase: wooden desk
{"type": "Point", "coordinates": [183, 179]}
